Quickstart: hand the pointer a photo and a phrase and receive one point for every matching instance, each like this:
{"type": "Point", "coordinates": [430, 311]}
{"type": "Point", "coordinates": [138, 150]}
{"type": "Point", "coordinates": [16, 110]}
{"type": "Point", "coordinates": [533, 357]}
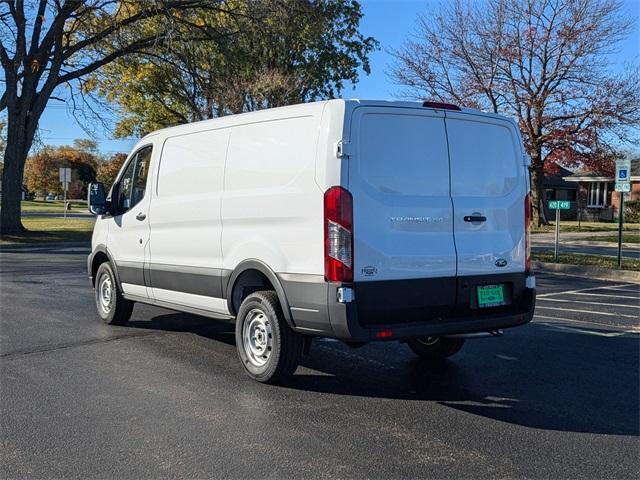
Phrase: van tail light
{"type": "Point", "coordinates": [527, 232]}
{"type": "Point", "coordinates": [338, 235]}
{"type": "Point", "coordinates": [384, 334]}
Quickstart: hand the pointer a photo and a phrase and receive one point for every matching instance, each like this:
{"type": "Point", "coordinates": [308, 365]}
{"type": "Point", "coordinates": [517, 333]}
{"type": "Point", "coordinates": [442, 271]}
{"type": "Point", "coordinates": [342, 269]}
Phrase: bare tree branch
{"type": "Point", "coordinates": [542, 61]}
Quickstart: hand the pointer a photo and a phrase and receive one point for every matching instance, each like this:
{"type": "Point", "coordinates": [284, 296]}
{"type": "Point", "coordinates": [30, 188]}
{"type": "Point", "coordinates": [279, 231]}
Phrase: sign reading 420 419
{"type": "Point", "coordinates": [559, 204]}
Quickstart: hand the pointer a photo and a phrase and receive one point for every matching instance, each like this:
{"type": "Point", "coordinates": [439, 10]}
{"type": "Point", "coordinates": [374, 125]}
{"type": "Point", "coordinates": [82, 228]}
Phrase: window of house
{"type": "Point", "coordinates": [599, 194]}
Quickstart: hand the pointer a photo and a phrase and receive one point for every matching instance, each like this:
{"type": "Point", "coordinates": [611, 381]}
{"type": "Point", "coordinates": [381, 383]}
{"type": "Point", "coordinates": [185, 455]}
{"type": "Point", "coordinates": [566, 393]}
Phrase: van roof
{"type": "Point", "coordinates": [298, 109]}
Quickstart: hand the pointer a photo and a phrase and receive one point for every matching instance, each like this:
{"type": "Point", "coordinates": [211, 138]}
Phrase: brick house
{"type": "Point", "coordinates": [596, 194]}
{"type": "Point", "coordinates": [557, 188]}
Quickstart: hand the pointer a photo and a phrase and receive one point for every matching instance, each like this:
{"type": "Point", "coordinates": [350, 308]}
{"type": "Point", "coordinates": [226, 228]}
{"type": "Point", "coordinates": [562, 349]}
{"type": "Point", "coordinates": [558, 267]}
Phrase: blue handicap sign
{"type": "Point", "coordinates": [622, 174]}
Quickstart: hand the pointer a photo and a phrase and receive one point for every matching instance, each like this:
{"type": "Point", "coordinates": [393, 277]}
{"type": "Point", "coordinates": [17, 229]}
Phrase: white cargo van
{"type": "Point", "coordinates": [358, 220]}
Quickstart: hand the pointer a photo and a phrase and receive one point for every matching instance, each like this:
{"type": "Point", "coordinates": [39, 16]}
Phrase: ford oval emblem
{"type": "Point", "coordinates": [501, 262]}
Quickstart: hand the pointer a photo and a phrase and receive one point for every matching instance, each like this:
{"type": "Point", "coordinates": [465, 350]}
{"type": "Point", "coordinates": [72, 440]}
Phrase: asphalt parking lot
{"type": "Point", "coordinates": [166, 397]}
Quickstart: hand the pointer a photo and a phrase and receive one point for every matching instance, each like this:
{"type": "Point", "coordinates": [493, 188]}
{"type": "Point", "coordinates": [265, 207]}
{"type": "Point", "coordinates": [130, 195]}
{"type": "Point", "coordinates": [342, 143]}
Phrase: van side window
{"type": "Point", "coordinates": [140, 176]}
{"type": "Point", "coordinates": [132, 184]}
{"type": "Point", "coordinates": [124, 187]}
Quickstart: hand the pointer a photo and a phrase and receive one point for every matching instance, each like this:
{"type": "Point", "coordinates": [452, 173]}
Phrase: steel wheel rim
{"type": "Point", "coordinates": [105, 292]}
{"type": "Point", "coordinates": [429, 341]}
{"type": "Point", "coordinates": [257, 337]}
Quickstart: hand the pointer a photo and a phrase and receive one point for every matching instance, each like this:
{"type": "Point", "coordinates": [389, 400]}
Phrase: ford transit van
{"type": "Point", "coordinates": [357, 220]}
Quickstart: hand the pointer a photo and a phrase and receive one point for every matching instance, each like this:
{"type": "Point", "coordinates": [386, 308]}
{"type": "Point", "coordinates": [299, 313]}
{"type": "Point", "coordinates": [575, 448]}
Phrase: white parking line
{"type": "Point", "coordinates": [587, 289]}
{"type": "Point", "coordinates": [583, 331]}
{"type": "Point", "coordinates": [634, 330]}
{"type": "Point", "coordinates": [589, 303]}
{"type": "Point", "coordinates": [611, 295]}
{"type": "Point", "coordinates": [608, 314]}
{"type": "Point", "coordinates": [623, 288]}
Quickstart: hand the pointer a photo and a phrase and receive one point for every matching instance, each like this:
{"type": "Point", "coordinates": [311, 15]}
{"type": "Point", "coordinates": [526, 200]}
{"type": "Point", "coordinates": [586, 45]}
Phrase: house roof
{"type": "Point", "coordinates": [584, 175]}
{"type": "Point", "coordinates": [557, 180]}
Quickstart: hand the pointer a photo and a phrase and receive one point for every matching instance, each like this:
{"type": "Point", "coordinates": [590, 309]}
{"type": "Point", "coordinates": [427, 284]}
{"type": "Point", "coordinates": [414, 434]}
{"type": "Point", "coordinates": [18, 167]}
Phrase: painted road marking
{"type": "Point", "coordinates": [610, 295]}
{"type": "Point", "coordinates": [587, 289]}
{"type": "Point", "coordinates": [632, 286]}
{"type": "Point", "coordinates": [608, 314]}
{"type": "Point", "coordinates": [589, 303]}
{"type": "Point", "coordinates": [585, 332]}
{"type": "Point", "coordinates": [634, 330]}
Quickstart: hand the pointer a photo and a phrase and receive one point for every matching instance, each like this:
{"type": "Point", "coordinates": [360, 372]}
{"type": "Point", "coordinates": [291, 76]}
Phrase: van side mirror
{"type": "Point", "coordinates": [98, 204]}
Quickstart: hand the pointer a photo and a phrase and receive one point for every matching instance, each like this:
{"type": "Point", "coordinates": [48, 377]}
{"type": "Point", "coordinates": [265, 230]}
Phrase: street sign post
{"type": "Point", "coordinates": [558, 205]}
{"type": "Point", "coordinates": [623, 184]}
{"type": "Point", "coordinates": [65, 179]}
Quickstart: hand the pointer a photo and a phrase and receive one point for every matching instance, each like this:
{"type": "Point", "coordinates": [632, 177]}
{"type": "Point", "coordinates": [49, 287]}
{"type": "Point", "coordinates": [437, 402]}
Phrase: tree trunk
{"type": "Point", "coordinates": [21, 126]}
{"type": "Point", "coordinates": [15, 156]}
{"type": "Point", "coordinates": [538, 194]}
{"type": "Point", "coordinates": [11, 192]}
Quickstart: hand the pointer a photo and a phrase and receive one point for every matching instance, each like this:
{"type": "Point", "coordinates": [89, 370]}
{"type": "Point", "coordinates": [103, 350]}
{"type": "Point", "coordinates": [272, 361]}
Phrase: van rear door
{"type": "Point", "coordinates": [399, 179]}
{"type": "Point", "coordinates": [488, 188]}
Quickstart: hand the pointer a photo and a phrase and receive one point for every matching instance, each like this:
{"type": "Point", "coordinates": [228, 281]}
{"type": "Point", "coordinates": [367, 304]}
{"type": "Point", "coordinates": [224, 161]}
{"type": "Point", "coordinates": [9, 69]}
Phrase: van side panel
{"type": "Point", "coordinates": [185, 251]}
{"type": "Point", "coordinates": [272, 206]}
{"type": "Point", "coordinates": [331, 170]}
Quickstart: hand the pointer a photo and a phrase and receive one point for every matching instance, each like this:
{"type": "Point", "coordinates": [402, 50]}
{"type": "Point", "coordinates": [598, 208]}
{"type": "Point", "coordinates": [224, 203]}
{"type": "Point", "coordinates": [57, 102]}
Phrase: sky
{"type": "Point", "coordinates": [389, 21]}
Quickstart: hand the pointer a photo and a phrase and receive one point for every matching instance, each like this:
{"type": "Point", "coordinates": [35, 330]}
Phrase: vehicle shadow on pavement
{"type": "Point", "coordinates": [536, 377]}
{"type": "Point", "coordinates": [553, 386]}
{"type": "Point", "coordinates": [184, 322]}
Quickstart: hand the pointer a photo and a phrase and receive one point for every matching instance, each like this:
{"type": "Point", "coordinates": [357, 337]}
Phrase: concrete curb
{"type": "Point", "coordinates": [597, 273]}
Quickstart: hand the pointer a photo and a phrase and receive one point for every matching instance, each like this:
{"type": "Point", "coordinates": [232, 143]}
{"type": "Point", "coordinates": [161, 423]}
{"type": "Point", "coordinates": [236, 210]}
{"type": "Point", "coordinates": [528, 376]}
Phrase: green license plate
{"type": "Point", "coordinates": [491, 295]}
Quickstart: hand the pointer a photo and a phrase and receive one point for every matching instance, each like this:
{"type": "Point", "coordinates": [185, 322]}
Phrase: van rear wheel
{"type": "Point", "coordinates": [433, 348]}
{"type": "Point", "coordinates": [268, 349]}
{"type": "Point", "coordinates": [112, 307]}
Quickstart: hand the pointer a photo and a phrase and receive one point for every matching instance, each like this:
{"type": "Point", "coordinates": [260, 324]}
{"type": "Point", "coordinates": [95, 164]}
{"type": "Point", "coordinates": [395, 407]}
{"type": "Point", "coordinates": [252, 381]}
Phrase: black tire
{"type": "Point", "coordinates": [435, 348]}
{"type": "Point", "coordinates": [117, 310]}
{"type": "Point", "coordinates": [269, 339]}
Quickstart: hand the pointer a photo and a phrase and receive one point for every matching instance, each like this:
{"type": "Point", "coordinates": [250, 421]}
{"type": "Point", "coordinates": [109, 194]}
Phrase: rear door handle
{"type": "Point", "coordinates": [141, 216]}
{"type": "Point", "coordinates": [475, 218]}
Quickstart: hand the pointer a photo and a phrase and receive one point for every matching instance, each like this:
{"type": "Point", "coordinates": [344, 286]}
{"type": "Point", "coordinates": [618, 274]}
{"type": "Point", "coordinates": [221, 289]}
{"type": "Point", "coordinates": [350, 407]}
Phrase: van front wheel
{"type": "Point", "coordinates": [112, 307]}
{"type": "Point", "coordinates": [433, 348]}
{"type": "Point", "coordinates": [268, 349]}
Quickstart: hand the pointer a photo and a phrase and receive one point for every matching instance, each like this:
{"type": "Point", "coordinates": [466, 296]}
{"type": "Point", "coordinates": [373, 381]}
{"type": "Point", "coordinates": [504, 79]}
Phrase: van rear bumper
{"type": "Point", "coordinates": [405, 309]}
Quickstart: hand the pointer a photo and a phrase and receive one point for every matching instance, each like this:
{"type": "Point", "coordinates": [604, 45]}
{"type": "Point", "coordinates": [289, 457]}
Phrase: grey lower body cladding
{"type": "Point", "coordinates": [410, 308]}
{"type": "Point", "coordinates": [407, 308]}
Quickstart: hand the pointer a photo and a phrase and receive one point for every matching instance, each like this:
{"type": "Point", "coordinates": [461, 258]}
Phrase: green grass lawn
{"type": "Point", "coordinates": [572, 226]}
{"type": "Point", "coordinates": [47, 229]}
{"type": "Point", "coordinates": [626, 238]}
{"type": "Point", "coordinates": [602, 261]}
{"type": "Point", "coordinates": [53, 206]}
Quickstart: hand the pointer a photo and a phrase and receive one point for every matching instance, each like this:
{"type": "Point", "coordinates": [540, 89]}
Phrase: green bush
{"type": "Point", "coordinates": [632, 211]}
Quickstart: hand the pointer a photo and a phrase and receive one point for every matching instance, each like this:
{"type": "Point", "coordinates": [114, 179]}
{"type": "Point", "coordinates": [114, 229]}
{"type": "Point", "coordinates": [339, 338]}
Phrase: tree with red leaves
{"type": "Point", "coordinates": [544, 62]}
